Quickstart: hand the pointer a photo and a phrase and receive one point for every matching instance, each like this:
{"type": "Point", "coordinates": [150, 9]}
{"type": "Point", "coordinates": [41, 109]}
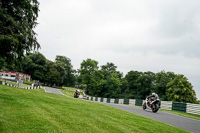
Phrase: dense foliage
{"type": "Point", "coordinates": [180, 89]}
{"type": "Point", "coordinates": [18, 19]}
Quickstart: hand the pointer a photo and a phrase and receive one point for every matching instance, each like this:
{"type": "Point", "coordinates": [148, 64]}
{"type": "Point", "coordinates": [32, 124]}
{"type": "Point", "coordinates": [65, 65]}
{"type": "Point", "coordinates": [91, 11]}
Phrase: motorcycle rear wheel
{"type": "Point", "coordinates": [144, 106]}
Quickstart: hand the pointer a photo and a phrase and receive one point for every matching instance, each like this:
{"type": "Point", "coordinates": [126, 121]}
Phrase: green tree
{"type": "Point", "coordinates": [113, 85]}
{"type": "Point", "coordinates": [60, 67]}
{"type": "Point", "coordinates": [146, 84]}
{"type": "Point", "coordinates": [108, 69]}
{"type": "Point", "coordinates": [34, 64]}
{"type": "Point", "coordinates": [18, 19]}
{"type": "Point", "coordinates": [69, 79]}
{"type": "Point", "coordinates": [12, 65]}
{"type": "Point", "coordinates": [138, 85]}
{"type": "Point", "coordinates": [87, 72]}
{"type": "Point", "coordinates": [161, 80]}
{"type": "Point", "coordinates": [132, 90]}
{"type": "Point", "coordinates": [52, 75]}
{"type": "Point", "coordinates": [181, 90]}
{"type": "Point", "coordinates": [112, 81]}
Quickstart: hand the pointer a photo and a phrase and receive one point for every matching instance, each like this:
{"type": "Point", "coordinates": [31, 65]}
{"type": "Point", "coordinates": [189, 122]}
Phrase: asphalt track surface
{"type": "Point", "coordinates": [53, 90]}
{"type": "Point", "coordinates": [188, 124]}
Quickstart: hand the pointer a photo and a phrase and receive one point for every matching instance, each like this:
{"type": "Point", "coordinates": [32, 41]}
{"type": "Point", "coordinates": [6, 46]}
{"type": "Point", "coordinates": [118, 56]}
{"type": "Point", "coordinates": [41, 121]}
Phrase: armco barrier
{"type": "Point", "coordinates": [91, 99]}
{"type": "Point", "coordinates": [121, 101]}
{"type": "Point", "coordinates": [108, 100]}
{"type": "Point", "coordinates": [166, 105]}
{"type": "Point", "coordinates": [138, 102]}
{"type": "Point", "coordinates": [112, 100]}
{"type": "Point", "coordinates": [104, 100]}
{"type": "Point", "coordinates": [178, 106]}
{"type": "Point", "coordinates": [193, 108]}
{"type": "Point", "coordinates": [116, 100]}
{"type": "Point", "coordinates": [96, 98]}
{"type": "Point", "coordinates": [126, 101]}
{"type": "Point", "coordinates": [101, 99]}
{"type": "Point", "coordinates": [131, 101]}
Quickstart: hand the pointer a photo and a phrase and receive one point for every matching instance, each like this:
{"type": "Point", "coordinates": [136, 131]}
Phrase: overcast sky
{"type": "Point", "coordinates": [141, 35]}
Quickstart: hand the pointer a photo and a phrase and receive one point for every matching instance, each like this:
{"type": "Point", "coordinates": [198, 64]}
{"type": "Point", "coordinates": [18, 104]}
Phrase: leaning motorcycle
{"type": "Point", "coordinates": [154, 105]}
{"type": "Point", "coordinates": [76, 94]}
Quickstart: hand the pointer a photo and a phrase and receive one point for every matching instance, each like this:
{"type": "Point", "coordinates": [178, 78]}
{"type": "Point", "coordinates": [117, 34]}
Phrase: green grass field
{"type": "Point", "coordinates": [69, 88]}
{"type": "Point", "coordinates": [69, 93]}
{"type": "Point", "coordinates": [34, 111]}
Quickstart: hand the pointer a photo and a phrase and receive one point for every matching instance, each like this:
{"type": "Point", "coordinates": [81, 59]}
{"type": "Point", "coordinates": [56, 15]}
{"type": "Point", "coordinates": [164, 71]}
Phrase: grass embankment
{"type": "Point", "coordinates": [69, 93]}
{"type": "Point", "coordinates": [69, 88]}
{"type": "Point", "coordinates": [38, 112]}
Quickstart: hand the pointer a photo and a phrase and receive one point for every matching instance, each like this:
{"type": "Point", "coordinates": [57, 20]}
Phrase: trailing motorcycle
{"type": "Point", "coordinates": [153, 104]}
{"type": "Point", "coordinates": [76, 94]}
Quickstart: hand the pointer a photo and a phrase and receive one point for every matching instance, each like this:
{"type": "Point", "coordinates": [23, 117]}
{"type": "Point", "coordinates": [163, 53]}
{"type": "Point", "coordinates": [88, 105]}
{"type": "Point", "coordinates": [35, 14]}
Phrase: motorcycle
{"type": "Point", "coordinates": [76, 94]}
{"type": "Point", "coordinates": [152, 104]}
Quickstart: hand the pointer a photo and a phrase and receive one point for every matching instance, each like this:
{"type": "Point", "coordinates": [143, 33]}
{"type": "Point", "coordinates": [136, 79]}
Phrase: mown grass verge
{"type": "Point", "coordinates": [69, 93]}
{"type": "Point", "coordinates": [69, 88]}
{"type": "Point", "coordinates": [38, 112]}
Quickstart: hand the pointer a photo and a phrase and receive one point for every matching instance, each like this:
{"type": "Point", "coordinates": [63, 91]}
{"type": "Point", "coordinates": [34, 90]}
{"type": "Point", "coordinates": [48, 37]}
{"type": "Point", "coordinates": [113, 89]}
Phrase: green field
{"type": "Point", "coordinates": [34, 111]}
{"type": "Point", "coordinates": [69, 88]}
{"type": "Point", "coordinates": [69, 93]}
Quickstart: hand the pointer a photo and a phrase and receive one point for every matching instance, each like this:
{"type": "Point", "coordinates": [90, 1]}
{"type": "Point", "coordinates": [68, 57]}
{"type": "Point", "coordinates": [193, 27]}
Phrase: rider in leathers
{"type": "Point", "coordinates": [152, 97]}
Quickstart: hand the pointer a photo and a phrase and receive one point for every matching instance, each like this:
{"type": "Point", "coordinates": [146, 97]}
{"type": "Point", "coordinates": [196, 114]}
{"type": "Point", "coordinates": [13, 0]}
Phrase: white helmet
{"type": "Point", "coordinates": [153, 93]}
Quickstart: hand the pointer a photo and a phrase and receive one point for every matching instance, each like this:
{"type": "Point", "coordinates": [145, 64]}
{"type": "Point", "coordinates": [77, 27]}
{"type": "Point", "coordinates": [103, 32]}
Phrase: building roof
{"type": "Point", "coordinates": [15, 73]}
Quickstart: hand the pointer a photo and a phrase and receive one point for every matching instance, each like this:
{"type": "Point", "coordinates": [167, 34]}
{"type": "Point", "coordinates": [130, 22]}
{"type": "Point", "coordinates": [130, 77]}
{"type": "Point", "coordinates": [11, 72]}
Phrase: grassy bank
{"type": "Point", "coordinates": [38, 112]}
{"type": "Point", "coordinates": [69, 93]}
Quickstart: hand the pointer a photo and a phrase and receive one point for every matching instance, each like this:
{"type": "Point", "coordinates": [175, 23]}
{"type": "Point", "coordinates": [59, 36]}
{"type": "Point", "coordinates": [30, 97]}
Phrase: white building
{"type": "Point", "coordinates": [14, 75]}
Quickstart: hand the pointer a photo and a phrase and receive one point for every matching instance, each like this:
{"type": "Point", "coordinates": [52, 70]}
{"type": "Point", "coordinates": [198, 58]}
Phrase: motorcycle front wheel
{"type": "Point", "coordinates": [155, 108]}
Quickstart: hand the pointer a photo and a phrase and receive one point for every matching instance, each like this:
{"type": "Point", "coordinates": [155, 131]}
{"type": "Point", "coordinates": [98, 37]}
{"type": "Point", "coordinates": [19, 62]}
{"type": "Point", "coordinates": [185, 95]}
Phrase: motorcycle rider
{"type": "Point", "coordinates": [77, 93]}
{"type": "Point", "coordinates": [152, 97]}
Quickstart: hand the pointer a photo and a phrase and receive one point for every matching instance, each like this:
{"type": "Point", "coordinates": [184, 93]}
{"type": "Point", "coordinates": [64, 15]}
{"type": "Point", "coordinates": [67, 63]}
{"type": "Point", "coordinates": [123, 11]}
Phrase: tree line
{"type": "Point", "coordinates": [105, 80]}
{"type": "Point", "coordinates": [18, 41]}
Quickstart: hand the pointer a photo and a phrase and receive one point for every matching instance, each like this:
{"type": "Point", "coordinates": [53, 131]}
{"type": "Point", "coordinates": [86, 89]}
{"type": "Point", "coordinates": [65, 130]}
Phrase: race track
{"type": "Point", "coordinates": [189, 124]}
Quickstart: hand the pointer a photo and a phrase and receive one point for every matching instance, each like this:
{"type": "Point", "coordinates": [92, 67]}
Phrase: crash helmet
{"type": "Point", "coordinates": [153, 93]}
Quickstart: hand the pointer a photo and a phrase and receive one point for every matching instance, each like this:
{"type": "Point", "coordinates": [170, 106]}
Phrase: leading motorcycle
{"type": "Point", "coordinates": [153, 104]}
